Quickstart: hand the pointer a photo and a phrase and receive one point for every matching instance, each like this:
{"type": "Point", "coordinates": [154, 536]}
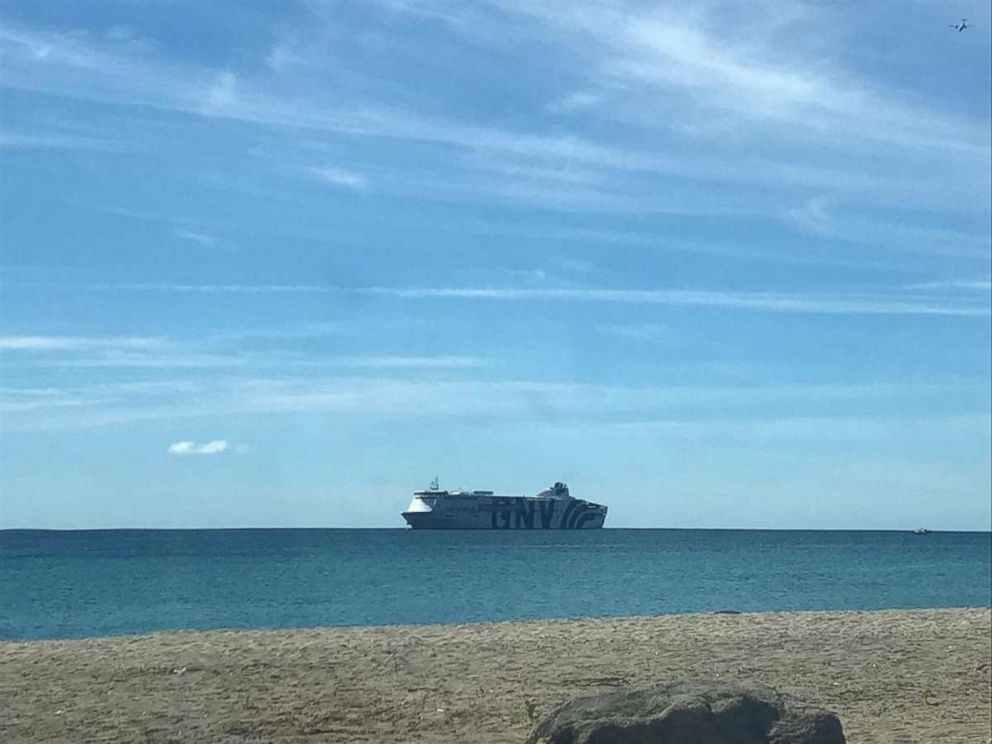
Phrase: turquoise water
{"type": "Point", "coordinates": [72, 584]}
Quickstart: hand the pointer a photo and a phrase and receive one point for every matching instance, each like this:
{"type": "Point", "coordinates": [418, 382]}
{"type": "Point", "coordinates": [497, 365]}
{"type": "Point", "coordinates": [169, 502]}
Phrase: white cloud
{"type": "Point", "coordinates": [823, 216]}
{"type": "Point", "coordinates": [213, 447]}
{"type": "Point", "coordinates": [496, 400]}
{"type": "Point", "coordinates": [784, 302]}
{"type": "Point", "coordinates": [195, 236]}
{"type": "Point", "coordinates": [637, 331]}
{"type": "Point", "coordinates": [17, 140]}
{"type": "Point", "coordinates": [423, 362]}
{"type": "Point", "coordinates": [221, 94]}
{"type": "Point", "coordinates": [698, 56]}
{"type": "Point", "coordinates": [575, 265]}
{"type": "Point", "coordinates": [575, 101]}
{"type": "Point", "coordinates": [633, 46]}
{"type": "Point", "coordinates": [188, 356]}
{"type": "Point", "coordinates": [882, 301]}
{"type": "Point", "coordinates": [283, 55]}
{"type": "Point", "coordinates": [341, 177]}
{"type": "Point", "coordinates": [226, 350]}
{"type": "Point", "coordinates": [76, 343]}
{"type": "Point", "coordinates": [967, 285]}
{"type": "Point", "coordinates": [28, 400]}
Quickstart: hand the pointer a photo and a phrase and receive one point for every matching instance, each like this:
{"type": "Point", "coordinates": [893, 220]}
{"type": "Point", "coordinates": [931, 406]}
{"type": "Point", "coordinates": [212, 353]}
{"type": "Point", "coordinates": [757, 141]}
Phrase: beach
{"type": "Point", "coordinates": [892, 676]}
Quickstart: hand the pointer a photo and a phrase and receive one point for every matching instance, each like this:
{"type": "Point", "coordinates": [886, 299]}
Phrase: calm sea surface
{"type": "Point", "coordinates": [70, 584]}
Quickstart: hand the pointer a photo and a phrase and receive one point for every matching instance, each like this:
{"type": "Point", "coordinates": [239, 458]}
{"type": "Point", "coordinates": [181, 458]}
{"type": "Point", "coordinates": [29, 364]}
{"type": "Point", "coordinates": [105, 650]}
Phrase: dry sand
{"type": "Point", "coordinates": [894, 676]}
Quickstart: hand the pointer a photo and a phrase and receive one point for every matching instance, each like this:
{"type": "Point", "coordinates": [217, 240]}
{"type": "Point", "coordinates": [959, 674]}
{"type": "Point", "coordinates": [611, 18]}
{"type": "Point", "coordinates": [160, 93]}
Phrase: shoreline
{"type": "Point", "coordinates": [729, 612]}
{"type": "Point", "coordinates": [913, 675]}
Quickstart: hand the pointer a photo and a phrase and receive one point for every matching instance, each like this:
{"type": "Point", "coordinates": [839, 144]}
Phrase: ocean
{"type": "Point", "coordinates": [94, 583]}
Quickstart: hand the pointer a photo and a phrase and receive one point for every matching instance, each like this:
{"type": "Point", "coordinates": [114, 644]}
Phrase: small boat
{"type": "Point", "coordinates": [921, 531]}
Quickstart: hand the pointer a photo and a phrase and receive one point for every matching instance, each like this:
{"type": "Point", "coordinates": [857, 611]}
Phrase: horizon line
{"type": "Point", "coordinates": [483, 530]}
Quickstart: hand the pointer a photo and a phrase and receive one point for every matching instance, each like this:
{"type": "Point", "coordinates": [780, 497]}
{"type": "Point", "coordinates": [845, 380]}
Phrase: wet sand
{"type": "Point", "coordinates": [892, 676]}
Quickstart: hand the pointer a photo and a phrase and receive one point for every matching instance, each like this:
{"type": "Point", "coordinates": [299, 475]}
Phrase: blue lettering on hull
{"type": "Point", "coordinates": [518, 513]}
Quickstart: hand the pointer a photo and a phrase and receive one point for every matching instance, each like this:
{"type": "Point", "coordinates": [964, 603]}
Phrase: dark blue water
{"type": "Point", "coordinates": [65, 584]}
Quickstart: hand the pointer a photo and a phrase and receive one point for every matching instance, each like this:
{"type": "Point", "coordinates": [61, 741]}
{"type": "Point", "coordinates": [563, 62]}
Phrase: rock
{"type": "Point", "coordinates": [688, 713]}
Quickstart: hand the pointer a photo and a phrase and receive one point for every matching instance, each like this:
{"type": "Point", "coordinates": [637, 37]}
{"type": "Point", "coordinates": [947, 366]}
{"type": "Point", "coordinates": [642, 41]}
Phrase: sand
{"type": "Point", "coordinates": [893, 676]}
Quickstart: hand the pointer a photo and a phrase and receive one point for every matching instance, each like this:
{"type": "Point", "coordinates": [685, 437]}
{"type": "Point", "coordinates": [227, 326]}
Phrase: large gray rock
{"type": "Point", "coordinates": [689, 713]}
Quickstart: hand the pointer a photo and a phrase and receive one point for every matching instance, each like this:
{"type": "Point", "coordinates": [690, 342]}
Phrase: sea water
{"type": "Point", "coordinates": [90, 583]}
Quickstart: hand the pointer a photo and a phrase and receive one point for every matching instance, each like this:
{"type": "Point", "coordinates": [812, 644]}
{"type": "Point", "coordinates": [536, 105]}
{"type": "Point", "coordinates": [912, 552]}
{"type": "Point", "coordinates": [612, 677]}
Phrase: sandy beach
{"type": "Point", "coordinates": [892, 676]}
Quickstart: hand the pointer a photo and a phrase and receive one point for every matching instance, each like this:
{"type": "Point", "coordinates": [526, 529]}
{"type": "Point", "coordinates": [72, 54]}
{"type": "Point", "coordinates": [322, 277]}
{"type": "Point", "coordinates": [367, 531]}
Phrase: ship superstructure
{"type": "Point", "coordinates": [552, 509]}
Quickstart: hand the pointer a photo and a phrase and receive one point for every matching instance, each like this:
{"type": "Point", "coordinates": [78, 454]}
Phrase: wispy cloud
{"type": "Point", "coordinates": [283, 55]}
{"type": "Point", "coordinates": [639, 332]}
{"type": "Point", "coordinates": [576, 101]}
{"type": "Point", "coordinates": [78, 343]}
{"type": "Point", "coordinates": [217, 352]}
{"type": "Point", "coordinates": [508, 400]}
{"type": "Point", "coordinates": [214, 447]}
{"type": "Point", "coordinates": [753, 85]}
{"type": "Point", "coordinates": [813, 431]}
{"type": "Point", "coordinates": [413, 362]}
{"type": "Point", "coordinates": [883, 301]}
{"type": "Point", "coordinates": [221, 94]}
{"type": "Point", "coordinates": [194, 236]}
{"type": "Point", "coordinates": [696, 54]}
{"type": "Point", "coordinates": [573, 265]}
{"type": "Point", "coordinates": [884, 304]}
{"type": "Point", "coordinates": [46, 401]}
{"type": "Point", "coordinates": [640, 48]}
{"type": "Point", "coordinates": [823, 216]}
{"type": "Point", "coordinates": [16, 140]}
{"type": "Point", "coordinates": [967, 285]}
{"type": "Point", "coordinates": [341, 177]}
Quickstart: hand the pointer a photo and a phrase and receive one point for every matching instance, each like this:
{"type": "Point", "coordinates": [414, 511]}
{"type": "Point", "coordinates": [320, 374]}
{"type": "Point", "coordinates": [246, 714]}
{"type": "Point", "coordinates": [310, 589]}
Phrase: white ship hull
{"type": "Point", "coordinates": [554, 509]}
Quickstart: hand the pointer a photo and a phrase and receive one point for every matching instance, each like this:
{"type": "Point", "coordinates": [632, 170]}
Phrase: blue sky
{"type": "Point", "coordinates": [279, 264]}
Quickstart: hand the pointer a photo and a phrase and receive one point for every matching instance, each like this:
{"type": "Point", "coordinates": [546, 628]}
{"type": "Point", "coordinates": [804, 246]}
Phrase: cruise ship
{"type": "Point", "coordinates": [552, 509]}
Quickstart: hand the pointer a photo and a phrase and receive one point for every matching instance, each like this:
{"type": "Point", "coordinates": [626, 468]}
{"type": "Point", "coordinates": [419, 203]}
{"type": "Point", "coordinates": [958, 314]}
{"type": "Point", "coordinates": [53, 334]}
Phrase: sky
{"type": "Point", "coordinates": [280, 264]}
